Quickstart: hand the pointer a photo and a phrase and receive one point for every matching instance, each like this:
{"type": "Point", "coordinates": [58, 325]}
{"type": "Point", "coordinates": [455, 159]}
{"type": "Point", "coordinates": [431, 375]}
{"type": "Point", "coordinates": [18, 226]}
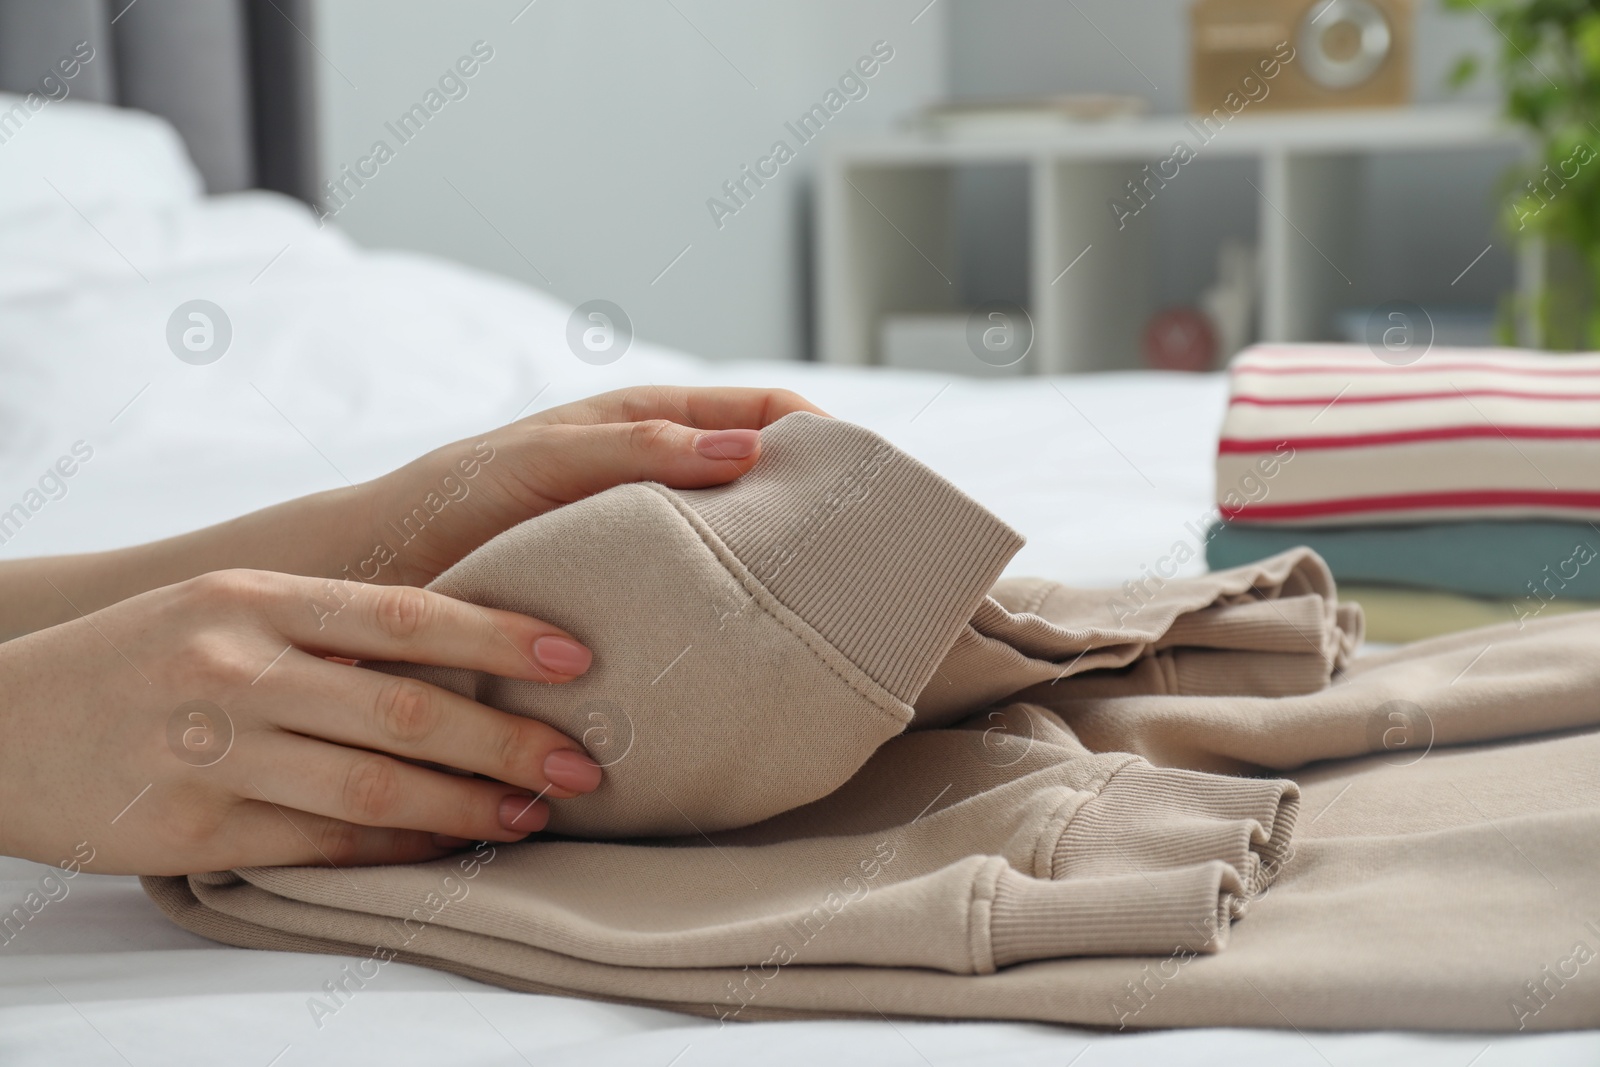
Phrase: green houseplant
{"type": "Point", "coordinates": [1549, 66]}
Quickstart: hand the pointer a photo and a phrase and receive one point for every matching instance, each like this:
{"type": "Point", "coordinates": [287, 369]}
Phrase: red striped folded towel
{"type": "Point", "coordinates": [1329, 434]}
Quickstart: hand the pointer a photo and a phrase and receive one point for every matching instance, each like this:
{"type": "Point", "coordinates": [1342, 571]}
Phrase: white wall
{"type": "Point", "coordinates": [1429, 214]}
{"type": "Point", "coordinates": [593, 138]}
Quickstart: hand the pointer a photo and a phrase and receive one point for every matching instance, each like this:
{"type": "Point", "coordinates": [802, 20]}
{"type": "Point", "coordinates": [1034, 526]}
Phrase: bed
{"type": "Point", "coordinates": [344, 363]}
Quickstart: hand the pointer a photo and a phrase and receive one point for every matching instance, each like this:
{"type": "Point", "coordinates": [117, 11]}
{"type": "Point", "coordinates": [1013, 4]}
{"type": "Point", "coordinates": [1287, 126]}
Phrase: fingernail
{"type": "Point", "coordinates": [446, 841]}
{"type": "Point", "coordinates": [728, 444]}
{"type": "Point", "coordinates": [521, 812]}
{"type": "Point", "coordinates": [572, 770]}
{"type": "Point", "coordinates": [562, 654]}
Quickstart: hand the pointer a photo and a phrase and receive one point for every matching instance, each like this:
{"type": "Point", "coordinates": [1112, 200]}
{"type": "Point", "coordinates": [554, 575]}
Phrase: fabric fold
{"type": "Point", "coordinates": [1155, 635]}
{"type": "Point", "coordinates": [1494, 683]}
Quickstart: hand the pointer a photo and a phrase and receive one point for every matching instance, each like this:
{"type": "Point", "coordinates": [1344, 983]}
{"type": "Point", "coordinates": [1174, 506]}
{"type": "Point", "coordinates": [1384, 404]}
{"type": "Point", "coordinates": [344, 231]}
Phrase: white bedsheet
{"type": "Point", "coordinates": [344, 364]}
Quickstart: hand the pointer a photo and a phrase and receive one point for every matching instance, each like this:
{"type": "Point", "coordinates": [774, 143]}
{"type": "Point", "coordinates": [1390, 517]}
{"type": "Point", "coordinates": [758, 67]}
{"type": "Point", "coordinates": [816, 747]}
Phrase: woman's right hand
{"type": "Point", "coordinates": [203, 726]}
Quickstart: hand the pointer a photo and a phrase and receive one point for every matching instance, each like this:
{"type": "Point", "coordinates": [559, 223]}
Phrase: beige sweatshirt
{"type": "Point", "coordinates": [877, 789]}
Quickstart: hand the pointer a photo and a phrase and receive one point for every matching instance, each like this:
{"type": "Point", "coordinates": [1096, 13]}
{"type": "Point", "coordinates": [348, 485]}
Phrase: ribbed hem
{"type": "Point", "coordinates": [881, 556]}
{"type": "Point", "coordinates": [1118, 915]}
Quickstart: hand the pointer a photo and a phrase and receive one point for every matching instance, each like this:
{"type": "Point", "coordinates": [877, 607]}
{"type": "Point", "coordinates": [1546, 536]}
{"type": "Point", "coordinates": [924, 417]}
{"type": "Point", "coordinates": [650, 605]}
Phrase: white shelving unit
{"type": "Point", "coordinates": [886, 231]}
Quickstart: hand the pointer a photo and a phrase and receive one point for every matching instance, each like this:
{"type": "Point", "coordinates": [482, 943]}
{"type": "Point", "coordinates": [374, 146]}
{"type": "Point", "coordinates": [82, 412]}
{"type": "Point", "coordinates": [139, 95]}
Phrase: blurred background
{"type": "Point", "coordinates": [1024, 241]}
{"type": "Point", "coordinates": [609, 149]}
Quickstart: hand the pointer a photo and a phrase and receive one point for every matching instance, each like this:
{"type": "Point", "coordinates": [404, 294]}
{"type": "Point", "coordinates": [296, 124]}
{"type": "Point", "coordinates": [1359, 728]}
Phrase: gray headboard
{"type": "Point", "coordinates": [231, 75]}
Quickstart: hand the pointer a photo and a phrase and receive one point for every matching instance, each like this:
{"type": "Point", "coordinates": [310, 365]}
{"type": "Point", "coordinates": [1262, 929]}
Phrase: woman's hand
{"type": "Point", "coordinates": [200, 726]}
{"type": "Point", "coordinates": [201, 723]}
{"type": "Point", "coordinates": [408, 526]}
{"type": "Point", "coordinates": [431, 512]}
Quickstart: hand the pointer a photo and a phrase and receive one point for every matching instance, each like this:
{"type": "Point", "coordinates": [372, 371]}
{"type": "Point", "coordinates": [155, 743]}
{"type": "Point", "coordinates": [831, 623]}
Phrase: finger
{"type": "Point", "coordinates": [396, 622]}
{"type": "Point", "coordinates": [579, 461]}
{"type": "Point", "coordinates": [371, 789]}
{"type": "Point", "coordinates": [702, 409]}
{"type": "Point", "coordinates": [272, 835]}
{"type": "Point", "coordinates": [414, 720]}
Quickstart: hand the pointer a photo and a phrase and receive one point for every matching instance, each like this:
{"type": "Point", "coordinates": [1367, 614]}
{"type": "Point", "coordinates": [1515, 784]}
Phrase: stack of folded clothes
{"type": "Point", "coordinates": [1458, 490]}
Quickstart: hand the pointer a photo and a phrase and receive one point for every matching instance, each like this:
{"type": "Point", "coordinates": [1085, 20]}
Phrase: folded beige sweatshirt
{"type": "Point", "coordinates": [761, 651]}
{"type": "Point", "coordinates": [756, 642]}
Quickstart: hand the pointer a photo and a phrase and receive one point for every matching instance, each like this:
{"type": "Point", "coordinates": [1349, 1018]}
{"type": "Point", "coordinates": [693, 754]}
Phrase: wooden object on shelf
{"type": "Point", "coordinates": [1276, 55]}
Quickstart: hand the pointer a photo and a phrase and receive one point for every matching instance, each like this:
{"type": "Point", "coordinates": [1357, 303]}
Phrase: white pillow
{"type": "Point", "coordinates": [95, 156]}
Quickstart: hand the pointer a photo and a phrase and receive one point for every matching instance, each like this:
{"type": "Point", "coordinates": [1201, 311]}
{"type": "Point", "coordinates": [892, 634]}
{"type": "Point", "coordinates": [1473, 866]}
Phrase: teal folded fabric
{"type": "Point", "coordinates": [1538, 559]}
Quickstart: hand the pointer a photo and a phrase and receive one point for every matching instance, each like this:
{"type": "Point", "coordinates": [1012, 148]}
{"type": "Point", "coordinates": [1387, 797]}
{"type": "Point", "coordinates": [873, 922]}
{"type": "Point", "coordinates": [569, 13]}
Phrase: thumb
{"type": "Point", "coordinates": [584, 460]}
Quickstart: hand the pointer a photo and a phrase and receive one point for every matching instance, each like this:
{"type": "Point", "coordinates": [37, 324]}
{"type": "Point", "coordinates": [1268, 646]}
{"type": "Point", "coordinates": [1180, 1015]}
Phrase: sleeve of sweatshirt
{"type": "Point", "coordinates": [1270, 628]}
{"type": "Point", "coordinates": [755, 642]}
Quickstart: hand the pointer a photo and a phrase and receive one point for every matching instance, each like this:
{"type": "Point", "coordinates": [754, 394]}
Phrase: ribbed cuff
{"type": "Point", "coordinates": [1119, 915]}
{"type": "Point", "coordinates": [1161, 860]}
{"type": "Point", "coordinates": [1205, 672]}
{"type": "Point", "coordinates": [1154, 818]}
{"type": "Point", "coordinates": [884, 558]}
{"type": "Point", "coordinates": [1297, 624]}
